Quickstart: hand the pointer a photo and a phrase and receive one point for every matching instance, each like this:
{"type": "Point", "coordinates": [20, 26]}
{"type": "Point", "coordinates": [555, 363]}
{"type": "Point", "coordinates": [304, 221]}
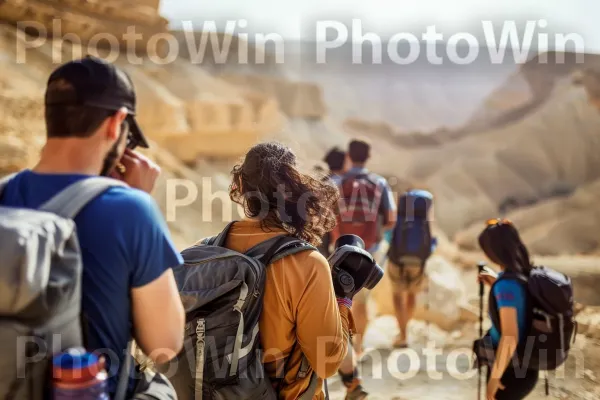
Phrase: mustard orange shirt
{"type": "Point", "coordinates": [299, 305]}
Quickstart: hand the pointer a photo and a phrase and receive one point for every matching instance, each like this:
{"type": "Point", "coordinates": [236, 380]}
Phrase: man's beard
{"type": "Point", "coordinates": [111, 159]}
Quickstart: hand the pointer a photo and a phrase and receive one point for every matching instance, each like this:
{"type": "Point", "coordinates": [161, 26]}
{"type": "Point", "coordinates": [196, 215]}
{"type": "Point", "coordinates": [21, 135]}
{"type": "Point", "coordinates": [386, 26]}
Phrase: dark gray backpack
{"type": "Point", "coordinates": [222, 292]}
{"type": "Point", "coordinates": [551, 321]}
{"type": "Point", "coordinates": [551, 318]}
{"type": "Point", "coordinates": [40, 283]}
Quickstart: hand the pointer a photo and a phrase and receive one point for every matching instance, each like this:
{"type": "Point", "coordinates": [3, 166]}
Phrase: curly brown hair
{"type": "Point", "coordinates": [269, 185]}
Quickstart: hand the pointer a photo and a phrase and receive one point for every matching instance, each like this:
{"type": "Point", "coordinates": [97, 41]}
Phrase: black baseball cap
{"type": "Point", "coordinates": [95, 82]}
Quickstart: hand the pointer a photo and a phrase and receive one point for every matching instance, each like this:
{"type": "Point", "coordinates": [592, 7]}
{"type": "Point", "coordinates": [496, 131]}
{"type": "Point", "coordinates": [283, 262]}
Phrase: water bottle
{"type": "Point", "coordinates": [77, 374]}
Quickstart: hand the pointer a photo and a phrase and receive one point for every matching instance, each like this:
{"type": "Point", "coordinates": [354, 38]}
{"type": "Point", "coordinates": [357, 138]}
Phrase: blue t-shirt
{"type": "Point", "coordinates": [124, 243]}
{"type": "Point", "coordinates": [336, 179]}
{"type": "Point", "coordinates": [510, 293]}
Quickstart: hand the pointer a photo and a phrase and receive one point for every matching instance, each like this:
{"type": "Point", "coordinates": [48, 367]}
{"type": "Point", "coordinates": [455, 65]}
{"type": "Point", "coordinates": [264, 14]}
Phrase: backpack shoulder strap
{"type": "Point", "coordinates": [290, 247]}
{"type": "Point", "coordinates": [125, 373]}
{"type": "Point", "coordinates": [278, 247]}
{"type": "Point", "coordinates": [373, 178]}
{"type": "Point", "coordinates": [67, 203]}
{"type": "Point", "coordinates": [267, 252]}
{"type": "Point", "coordinates": [74, 197]}
{"type": "Point", "coordinates": [368, 176]}
{"type": "Point", "coordinates": [219, 240]}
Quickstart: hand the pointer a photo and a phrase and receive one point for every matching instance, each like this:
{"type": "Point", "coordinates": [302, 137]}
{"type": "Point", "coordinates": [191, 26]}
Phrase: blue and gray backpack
{"type": "Point", "coordinates": [412, 242]}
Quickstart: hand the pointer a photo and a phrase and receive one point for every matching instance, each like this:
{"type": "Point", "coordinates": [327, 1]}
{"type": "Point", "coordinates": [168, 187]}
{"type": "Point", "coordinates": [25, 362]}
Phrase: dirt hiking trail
{"type": "Point", "coordinates": [445, 371]}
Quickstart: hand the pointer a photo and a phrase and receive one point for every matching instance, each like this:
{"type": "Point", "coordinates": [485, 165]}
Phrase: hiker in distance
{"type": "Point", "coordinates": [411, 245]}
{"type": "Point", "coordinates": [502, 245]}
{"type": "Point", "coordinates": [367, 208]}
{"type": "Point", "coordinates": [127, 284]}
{"type": "Point", "coordinates": [337, 162]}
{"type": "Point", "coordinates": [305, 319]}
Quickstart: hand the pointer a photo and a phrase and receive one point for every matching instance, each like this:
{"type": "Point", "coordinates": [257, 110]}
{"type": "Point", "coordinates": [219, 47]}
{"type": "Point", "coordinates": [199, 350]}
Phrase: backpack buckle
{"type": "Point", "coordinates": [238, 305]}
{"type": "Point", "coordinates": [200, 328]}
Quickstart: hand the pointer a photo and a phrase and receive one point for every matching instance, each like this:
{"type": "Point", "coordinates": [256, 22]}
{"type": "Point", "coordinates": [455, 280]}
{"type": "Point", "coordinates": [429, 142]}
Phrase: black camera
{"type": "Point", "coordinates": [352, 267]}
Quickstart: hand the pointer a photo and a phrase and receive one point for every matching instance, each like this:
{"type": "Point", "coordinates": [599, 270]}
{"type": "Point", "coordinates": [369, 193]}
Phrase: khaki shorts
{"type": "Point", "coordinates": [407, 279]}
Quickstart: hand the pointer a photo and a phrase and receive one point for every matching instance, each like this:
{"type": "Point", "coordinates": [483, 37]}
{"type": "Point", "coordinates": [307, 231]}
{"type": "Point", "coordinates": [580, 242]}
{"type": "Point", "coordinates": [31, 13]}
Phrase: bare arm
{"type": "Point", "coordinates": [390, 220]}
{"type": "Point", "coordinates": [508, 341]}
{"type": "Point", "coordinates": [388, 208]}
{"type": "Point", "coordinates": [158, 318]}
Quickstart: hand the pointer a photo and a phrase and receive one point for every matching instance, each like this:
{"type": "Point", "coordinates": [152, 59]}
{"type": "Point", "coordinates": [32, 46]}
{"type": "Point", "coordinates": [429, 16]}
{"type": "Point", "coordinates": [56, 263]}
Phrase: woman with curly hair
{"type": "Point", "coordinates": [301, 319]}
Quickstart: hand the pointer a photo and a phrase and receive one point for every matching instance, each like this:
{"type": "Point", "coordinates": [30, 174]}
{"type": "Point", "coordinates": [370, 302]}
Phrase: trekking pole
{"type": "Point", "coordinates": [427, 318]}
{"type": "Point", "coordinates": [480, 268]}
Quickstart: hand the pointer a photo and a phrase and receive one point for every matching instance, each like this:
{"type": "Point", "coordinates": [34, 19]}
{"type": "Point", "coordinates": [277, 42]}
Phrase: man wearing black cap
{"type": "Point", "coordinates": [127, 283]}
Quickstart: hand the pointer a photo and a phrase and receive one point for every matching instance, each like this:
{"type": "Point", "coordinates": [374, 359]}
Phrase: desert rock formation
{"type": "Point", "coordinates": [296, 99]}
{"type": "Point", "coordinates": [524, 90]}
{"type": "Point", "coordinates": [549, 152]}
{"type": "Point", "coordinates": [563, 225]}
{"type": "Point", "coordinates": [89, 20]}
{"type": "Point", "coordinates": [561, 165]}
{"type": "Point", "coordinates": [212, 118]}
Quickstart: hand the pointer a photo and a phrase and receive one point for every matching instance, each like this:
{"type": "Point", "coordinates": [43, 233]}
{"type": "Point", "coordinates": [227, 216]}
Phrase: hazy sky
{"type": "Point", "coordinates": [295, 19]}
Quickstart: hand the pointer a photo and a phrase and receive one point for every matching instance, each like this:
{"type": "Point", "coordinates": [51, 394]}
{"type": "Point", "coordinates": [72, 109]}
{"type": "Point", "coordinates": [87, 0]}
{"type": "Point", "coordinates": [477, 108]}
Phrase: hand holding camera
{"type": "Point", "coordinates": [352, 267]}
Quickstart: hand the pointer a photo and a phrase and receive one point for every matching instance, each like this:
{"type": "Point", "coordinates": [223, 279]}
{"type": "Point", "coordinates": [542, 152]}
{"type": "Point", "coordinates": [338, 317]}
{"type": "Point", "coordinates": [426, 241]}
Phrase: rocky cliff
{"type": "Point", "coordinates": [540, 145]}
{"type": "Point", "coordinates": [524, 90]}
{"type": "Point", "coordinates": [296, 99]}
{"type": "Point", "coordinates": [562, 225]}
{"type": "Point", "coordinates": [551, 151]}
{"type": "Point", "coordinates": [208, 117]}
{"type": "Point", "coordinates": [566, 223]}
{"type": "Point", "coordinates": [90, 22]}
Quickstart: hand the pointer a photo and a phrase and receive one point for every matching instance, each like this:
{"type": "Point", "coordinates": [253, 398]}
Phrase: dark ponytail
{"type": "Point", "coordinates": [501, 243]}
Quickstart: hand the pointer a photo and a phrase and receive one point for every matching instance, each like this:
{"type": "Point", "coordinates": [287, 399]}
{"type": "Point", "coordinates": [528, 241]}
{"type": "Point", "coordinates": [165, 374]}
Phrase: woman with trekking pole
{"type": "Point", "coordinates": [502, 245]}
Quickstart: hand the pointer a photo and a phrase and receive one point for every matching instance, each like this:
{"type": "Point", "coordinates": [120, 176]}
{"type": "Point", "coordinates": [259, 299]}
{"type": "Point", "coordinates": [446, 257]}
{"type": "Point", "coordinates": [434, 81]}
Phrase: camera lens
{"type": "Point", "coordinates": [350, 240]}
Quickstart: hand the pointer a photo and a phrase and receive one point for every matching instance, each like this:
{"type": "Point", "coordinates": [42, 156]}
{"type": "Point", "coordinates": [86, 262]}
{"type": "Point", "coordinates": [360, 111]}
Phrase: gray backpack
{"type": "Point", "coordinates": [40, 284]}
{"type": "Point", "coordinates": [222, 292]}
